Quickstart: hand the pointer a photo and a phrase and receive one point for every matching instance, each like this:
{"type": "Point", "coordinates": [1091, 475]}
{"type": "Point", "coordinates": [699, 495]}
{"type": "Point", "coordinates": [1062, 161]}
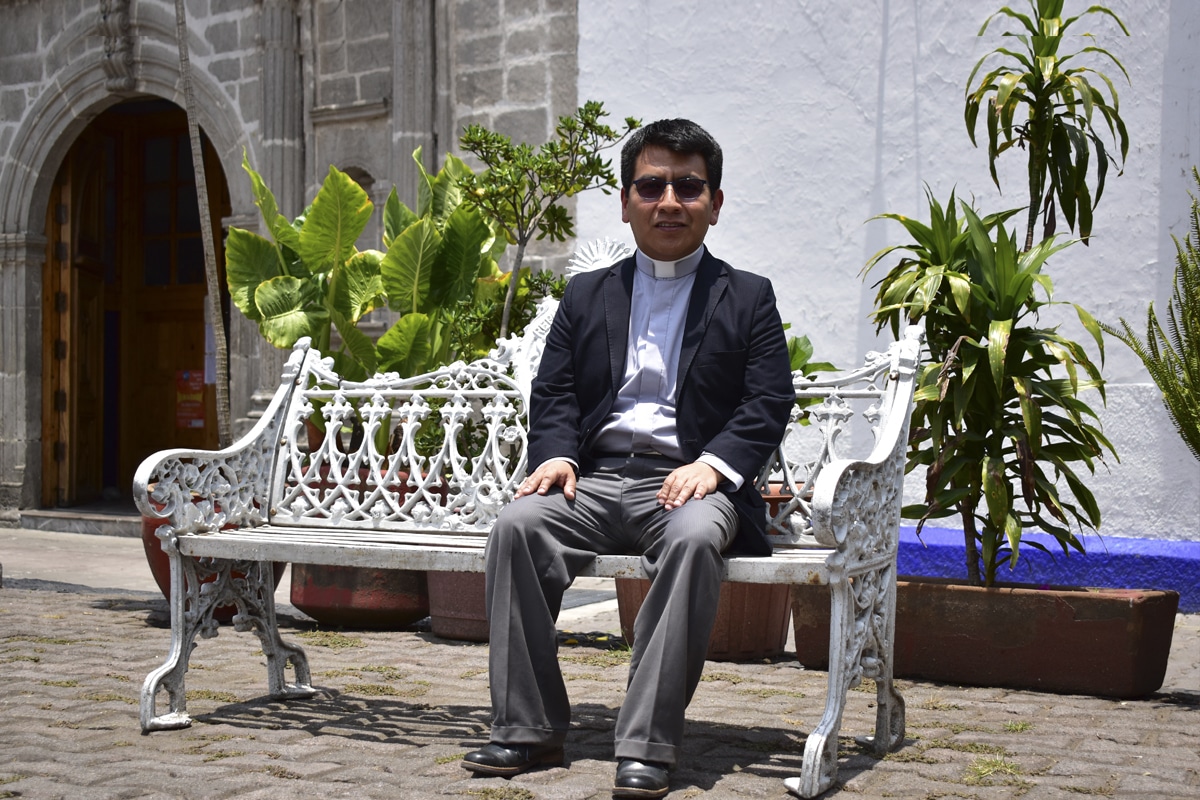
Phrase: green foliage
{"type": "Point", "coordinates": [1034, 100]}
{"type": "Point", "coordinates": [1172, 356]}
{"type": "Point", "coordinates": [438, 272]}
{"type": "Point", "coordinates": [998, 423]}
{"type": "Point", "coordinates": [521, 189]}
{"type": "Point", "coordinates": [800, 353]}
{"type": "Point", "coordinates": [309, 276]}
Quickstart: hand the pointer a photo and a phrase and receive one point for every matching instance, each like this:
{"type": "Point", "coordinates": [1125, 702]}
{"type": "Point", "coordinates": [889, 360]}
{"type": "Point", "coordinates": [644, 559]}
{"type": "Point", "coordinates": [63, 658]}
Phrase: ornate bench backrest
{"type": "Point", "coordinates": [443, 451]}
{"type": "Point", "coordinates": [446, 450]}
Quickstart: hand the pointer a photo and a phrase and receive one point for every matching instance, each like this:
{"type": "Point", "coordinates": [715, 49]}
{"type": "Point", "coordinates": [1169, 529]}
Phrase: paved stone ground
{"type": "Point", "coordinates": [398, 710]}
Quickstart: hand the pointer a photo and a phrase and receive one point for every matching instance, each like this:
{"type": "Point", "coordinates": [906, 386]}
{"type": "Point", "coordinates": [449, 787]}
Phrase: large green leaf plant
{"type": "Point", "coordinates": [438, 272]}
{"type": "Point", "coordinates": [307, 277]}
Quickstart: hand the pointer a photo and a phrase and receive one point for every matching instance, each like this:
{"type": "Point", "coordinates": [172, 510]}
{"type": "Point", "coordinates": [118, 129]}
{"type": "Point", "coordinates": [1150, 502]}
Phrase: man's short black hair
{"type": "Point", "coordinates": [678, 136]}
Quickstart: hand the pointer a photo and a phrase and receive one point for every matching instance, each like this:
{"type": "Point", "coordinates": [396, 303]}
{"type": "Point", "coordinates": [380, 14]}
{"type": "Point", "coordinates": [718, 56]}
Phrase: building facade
{"type": "Point", "coordinates": [829, 113]}
{"type": "Point", "coordinates": [105, 353]}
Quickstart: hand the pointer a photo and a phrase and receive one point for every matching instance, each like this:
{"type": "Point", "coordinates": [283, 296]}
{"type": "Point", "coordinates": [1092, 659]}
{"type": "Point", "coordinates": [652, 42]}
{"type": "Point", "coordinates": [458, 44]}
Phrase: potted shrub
{"type": "Point", "coordinates": [1000, 425]}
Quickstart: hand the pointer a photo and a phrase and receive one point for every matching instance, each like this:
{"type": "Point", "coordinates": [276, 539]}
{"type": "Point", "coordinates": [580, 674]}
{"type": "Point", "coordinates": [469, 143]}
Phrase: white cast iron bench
{"type": "Point", "coordinates": [269, 498]}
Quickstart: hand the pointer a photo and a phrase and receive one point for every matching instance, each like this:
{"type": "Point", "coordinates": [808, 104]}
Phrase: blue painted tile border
{"type": "Point", "coordinates": [1110, 562]}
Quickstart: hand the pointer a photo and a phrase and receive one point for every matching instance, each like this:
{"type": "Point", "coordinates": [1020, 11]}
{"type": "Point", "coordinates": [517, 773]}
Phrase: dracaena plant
{"type": "Point", "coordinates": [1172, 354]}
{"type": "Point", "coordinates": [1000, 423]}
{"type": "Point", "coordinates": [1045, 100]}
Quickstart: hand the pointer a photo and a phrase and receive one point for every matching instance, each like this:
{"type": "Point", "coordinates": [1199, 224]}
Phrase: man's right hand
{"type": "Point", "coordinates": [555, 472]}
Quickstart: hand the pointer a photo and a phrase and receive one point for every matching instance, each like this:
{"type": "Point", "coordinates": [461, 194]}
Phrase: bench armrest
{"type": "Point", "coordinates": [205, 490]}
{"type": "Point", "coordinates": [856, 502]}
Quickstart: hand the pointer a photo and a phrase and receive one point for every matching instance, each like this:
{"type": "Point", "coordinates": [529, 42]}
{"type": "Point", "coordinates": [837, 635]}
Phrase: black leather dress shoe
{"type": "Point", "coordinates": [497, 759]}
{"type": "Point", "coordinates": [640, 779]}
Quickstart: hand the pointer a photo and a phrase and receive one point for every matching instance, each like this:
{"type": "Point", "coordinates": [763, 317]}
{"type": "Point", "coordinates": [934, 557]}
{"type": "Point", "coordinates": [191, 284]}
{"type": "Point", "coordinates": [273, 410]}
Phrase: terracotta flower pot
{"type": "Point", "coordinates": [1106, 642]}
{"type": "Point", "coordinates": [751, 624]}
{"type": "Point", "coordinates": [361, 597]}
{"type": "Point", "coordinates": [458, 606]}
{"type": "Point", "coordinates": [358, 597]}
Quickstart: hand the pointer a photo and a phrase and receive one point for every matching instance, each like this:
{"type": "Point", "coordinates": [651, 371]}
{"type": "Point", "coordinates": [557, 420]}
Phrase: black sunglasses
{"type": "Point", "coordinates": [687, 190]}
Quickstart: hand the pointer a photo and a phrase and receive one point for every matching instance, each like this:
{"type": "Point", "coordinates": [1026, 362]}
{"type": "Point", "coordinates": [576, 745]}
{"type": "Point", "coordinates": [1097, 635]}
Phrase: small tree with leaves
{"type": "Point", "coordinates": [522, 188]}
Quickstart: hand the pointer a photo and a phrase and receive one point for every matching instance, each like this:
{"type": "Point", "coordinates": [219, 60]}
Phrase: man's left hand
{"type": "Point", "coordinates": [693, 480]}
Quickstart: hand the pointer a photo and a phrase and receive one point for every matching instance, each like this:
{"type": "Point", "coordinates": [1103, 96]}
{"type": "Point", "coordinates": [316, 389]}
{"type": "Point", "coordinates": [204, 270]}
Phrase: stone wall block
{"type": "Point", "coordinates": [330, 20]}
{"type": "Point", "coordinates": [226, 70]}
{"type": "Point", "coordinates": [483, 51]}
{"type": "Point", "coordinates": [525, 42]}
{"type": "Point", "coordinates": [369, 55]}
{"type": "Point", "coordinates": [525, 125]}
{"type": "Point", "coordinates": [527, 84]}
{"type": "Point", "coordinates": [518, 9]}
{"type": "Point", "coordinates": [563, 35]}
{"type": "Point", "coordinates": [480, 89]}
{"type": "Point", "coordinates": [223, 36]}
{"type": "Point", "coordinates": [368, 19]}
{"type": "Point", "coordinates": [476, 15]}
{"type": "Point", "coordinates": [331, 58]}
{"type": "Point", "coordinates": [337, 91]}
{"type": "Point", "coordinates": [375, 86]}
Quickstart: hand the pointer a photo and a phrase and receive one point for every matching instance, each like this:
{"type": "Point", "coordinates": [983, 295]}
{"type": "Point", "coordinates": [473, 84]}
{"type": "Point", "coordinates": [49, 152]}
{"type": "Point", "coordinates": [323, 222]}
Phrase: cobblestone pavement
{"type": "Point", "coordinates": [397, 711]}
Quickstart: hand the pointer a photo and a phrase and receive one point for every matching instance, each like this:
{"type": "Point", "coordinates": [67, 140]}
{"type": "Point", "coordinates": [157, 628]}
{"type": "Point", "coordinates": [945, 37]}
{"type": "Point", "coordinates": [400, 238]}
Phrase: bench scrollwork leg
{"type": "Point", "coordinates": [199, 586]}
{"type": "Point", "coordinates": [256, 611]}
{"type": "Point", "coordinates": [861, 631]}
{"type": "Point", "coordinates": [185, 624]}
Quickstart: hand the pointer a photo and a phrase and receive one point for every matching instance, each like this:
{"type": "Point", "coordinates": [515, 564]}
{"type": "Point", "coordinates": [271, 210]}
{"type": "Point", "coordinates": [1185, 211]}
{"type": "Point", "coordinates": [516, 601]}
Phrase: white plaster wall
{"type": "Point", "coordinates": [830, 113]}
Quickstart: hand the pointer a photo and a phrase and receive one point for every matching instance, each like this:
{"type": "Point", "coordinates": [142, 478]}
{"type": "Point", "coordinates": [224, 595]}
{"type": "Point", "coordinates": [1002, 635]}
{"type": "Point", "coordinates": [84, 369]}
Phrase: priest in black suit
{"type": "Point", "coordinates": [663, 389]}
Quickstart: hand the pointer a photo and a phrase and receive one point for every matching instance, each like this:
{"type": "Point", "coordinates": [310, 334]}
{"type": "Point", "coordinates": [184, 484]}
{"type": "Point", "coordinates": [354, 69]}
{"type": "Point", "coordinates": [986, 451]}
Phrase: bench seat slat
{"type": "Point", "coordinates": [441, 552]}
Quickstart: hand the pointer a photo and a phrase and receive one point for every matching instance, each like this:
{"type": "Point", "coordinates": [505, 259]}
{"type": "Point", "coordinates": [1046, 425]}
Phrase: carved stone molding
{"type": "Point", "coordinates": [117, 31]}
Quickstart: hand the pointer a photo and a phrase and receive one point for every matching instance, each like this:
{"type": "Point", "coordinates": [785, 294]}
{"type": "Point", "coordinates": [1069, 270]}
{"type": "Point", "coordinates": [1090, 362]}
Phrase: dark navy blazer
{"type": "Point", "coordinates": [734, 388]}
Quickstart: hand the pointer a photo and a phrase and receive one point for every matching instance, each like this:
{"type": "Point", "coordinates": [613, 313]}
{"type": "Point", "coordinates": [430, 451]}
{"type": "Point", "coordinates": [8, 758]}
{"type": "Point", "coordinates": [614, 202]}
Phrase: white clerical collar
{"type": "Point", "coordinates": [670, 269]}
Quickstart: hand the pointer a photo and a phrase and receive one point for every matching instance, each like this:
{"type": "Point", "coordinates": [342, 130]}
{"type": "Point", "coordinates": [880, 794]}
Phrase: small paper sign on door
{"type": "Point", "coordinates": [189, 398]}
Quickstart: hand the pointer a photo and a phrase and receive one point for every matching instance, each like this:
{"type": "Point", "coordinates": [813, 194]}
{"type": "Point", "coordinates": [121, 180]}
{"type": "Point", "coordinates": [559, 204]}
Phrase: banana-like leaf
{"type": "Point", "coordinates": [288, 311]}
{"type": "Point", "coordinates": [396, 217]}
{"type": "Point", "coordinates": [264, 198]}
{"type": "Point", "coordinates": [250, 260]}
{"type": "Point", "coordinates": [408, 266]}
{"type": "Point", "coordinates": [356, 287]}
{"type": "Point", "coordinates": [457, 268]}
{"type": "Point", "coordinates": [334, 221]}
{"type": "Point", "coordinates": [405, 348]}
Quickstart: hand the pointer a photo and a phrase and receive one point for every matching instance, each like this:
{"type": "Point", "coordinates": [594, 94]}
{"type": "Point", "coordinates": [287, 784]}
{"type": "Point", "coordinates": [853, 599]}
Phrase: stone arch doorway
{"type": "Point", "coordinates": [126, 357]}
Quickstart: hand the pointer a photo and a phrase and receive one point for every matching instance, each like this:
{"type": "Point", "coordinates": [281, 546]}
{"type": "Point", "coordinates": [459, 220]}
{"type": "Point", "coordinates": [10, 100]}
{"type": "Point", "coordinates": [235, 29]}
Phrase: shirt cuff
{"type": "Point", "coordinates": [571, 461]}
{"type": "Point", "coordinates": [729, 473]}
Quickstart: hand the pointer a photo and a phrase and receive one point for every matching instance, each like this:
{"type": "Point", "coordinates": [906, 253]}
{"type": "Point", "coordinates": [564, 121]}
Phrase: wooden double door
{"type": "Point", "coordinates": [127, 361]}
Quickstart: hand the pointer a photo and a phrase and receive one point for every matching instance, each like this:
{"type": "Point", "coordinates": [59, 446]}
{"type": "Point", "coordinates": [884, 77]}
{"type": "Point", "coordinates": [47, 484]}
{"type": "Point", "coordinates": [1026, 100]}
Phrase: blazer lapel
{"type": "Point", "coordinates": [711, 282]}
{"type": "Point", "coordinates": [618, 289]}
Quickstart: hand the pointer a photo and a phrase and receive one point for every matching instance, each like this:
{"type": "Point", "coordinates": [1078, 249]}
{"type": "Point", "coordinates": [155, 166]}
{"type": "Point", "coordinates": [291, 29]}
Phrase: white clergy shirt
{"type": "Point", "coordinates": [643, 414]}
